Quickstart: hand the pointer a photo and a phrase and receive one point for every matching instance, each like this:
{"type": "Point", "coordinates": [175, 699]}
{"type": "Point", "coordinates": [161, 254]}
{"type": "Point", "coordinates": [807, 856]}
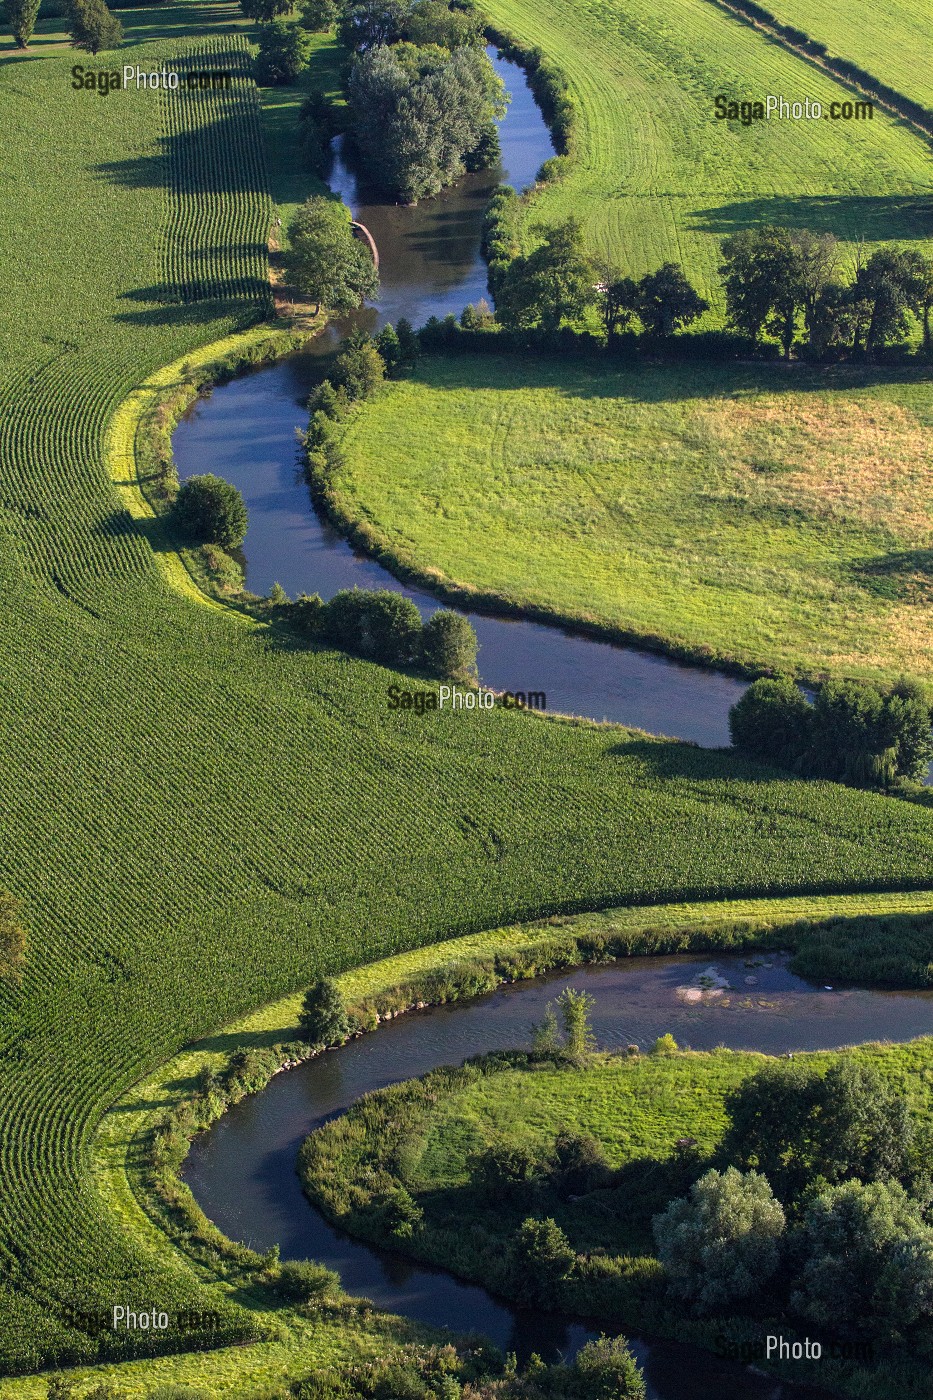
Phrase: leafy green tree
{"type": "Point", "coordinates": [323, 1019]}
{"type": "Point", "coordinates": [12, 935]}
{"type": "Point", "coordinates": [885, 291]}
{"type": "Point", "coordinates": [283, 53]}
{"type": "Point", "coordinates": [387, 343]}
{"type": "Point", "coordinates": [371, 24]}
{"type": "Point", "coordinates": [506, 1172]}
{"type": "Point", "coordinates": [266, 10]}
{"type": "Point", "coordinates": [422, 116]}
{"type": "Point", "coordinates": [92, 27]}
{"type": "Point", "coordinates": [325, 262]}
{"type": "Point", "coordinates": [378, 624]}
{"type": "Point", "coordinates": [761, 274]}
{"type": "Point", "coordinates": [723, 1241]}
{"type": "Point", "coordinates": [667, 302]}
{"type": "Point", "coordinates": [449, 645]}
{"type": "Point", "coordinates": [437, 22]}
{"type": "Point", "coordinates": [609, 1371]}
{"type": "Point", "coordinates": [868, 1260]}
{"type": "Point", "coordinates": [211, 511]}
{"type": "Point", "coordinates": [551, 286]}
{"type": "Point", "coordinates": [575, 1008]}
{"type": "Point", "coordinates": [795, 1125]}
{"type": "Point", "coordinates": [408, 342]}
{"type": "Point", "coordinates": [316, 126]}
{"type": "Point", "coordinates": [618, 299]}
{"type": "Point", "coordinates": [397, 1212]}
{"type": "Point", "coordinates": [316, 15]}
{"type": "Point", "coordinates": [545, 1036]}
{"type": "Point", "coordinates": [21, 16]}
{"type": "Point", "coordinates": [539, 1258]}
{"type": "Point", "coordinates": [359, 368]}
{"type": "Point", "coordinates": [771, 721]}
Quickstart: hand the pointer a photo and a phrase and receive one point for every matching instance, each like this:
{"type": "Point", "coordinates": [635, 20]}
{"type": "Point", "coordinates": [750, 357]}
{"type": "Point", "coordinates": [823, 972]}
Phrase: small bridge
{"type": "Point", "coordinates": [363, 233]}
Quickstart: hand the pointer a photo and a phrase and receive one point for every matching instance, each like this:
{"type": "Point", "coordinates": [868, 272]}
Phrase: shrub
{"type": "Point", "coordinates": [211, 511]}
{"type": "Point", "coordinates": [359, 368]}
{"type": "Point", "coordinates": [93, 27]}
{"type": "Point", "coordinates": [664, 1045]}
{"type": "Point", "coordinates": [539, 1258]}
{"type": "Point", "coordinates": [579, 1163]}
{"type": "Point", "coordinates": [379, 624]}
{"type": "Point", "coordinates": [323, 1019]}
{"type": "Point", "coordinates": [266, 10]}
{"type": "Point", "coordinates": [609, 1371]}
{"type": "Point", "coordinates": [722, 1242]}
{"type": "Point", "coordinates": [283, 52]}
{"type": "Point", "coordinates": [397, 1213]}
{"type": "Point", "coordinates": [506, 1172]}
{"type": "Point", "coordinates": [448, 644]}
{"type": "Point", "coordinates": [575, 1013]}
{"type": "Point", "coordinates": [302, 1280]}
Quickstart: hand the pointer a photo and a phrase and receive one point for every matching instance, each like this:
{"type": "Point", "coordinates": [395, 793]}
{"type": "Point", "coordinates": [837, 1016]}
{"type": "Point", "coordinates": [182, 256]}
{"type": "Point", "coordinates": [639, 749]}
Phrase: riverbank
{"type": "Point", "coordinates": [173, 1234]}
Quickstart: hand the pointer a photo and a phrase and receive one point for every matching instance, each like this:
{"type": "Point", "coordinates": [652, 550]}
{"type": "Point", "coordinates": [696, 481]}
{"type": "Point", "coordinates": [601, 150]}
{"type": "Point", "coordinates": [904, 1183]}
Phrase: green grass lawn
{"type": "Point", "coordinates": [888, 42]}
{"type": "Point", "coordinates": [658, 178]}
{"type": "Point", "coordinates": [779, 516]}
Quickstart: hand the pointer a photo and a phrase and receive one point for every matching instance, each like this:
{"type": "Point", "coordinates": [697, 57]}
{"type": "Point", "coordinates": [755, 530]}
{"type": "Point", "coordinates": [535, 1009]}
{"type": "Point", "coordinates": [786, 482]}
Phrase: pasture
{"type": "Point", "coordinates": [656, 177]}
{"type": "Point", "coordinates": [775, 516]}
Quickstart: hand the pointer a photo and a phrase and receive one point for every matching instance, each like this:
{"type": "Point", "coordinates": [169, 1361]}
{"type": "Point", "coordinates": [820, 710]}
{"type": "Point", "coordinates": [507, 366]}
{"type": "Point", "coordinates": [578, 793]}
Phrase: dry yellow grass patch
{"type": "Point", "coordinates": [867, 461]}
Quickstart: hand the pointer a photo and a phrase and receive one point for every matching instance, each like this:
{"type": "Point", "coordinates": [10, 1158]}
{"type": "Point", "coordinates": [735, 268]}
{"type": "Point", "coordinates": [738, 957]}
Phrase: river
{"type": "Point", "coordinates": [431, 264]}
{"type": "Point", "coordinates": [243, 1170]}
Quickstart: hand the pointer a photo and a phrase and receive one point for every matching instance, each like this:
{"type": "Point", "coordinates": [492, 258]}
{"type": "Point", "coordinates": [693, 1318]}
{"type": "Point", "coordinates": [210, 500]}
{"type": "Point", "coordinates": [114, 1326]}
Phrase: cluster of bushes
{"type": "Point", "coordinates": [850, 732]}
{"type": "Point", "coordinates": [604, 1369]}
{"type": "Point", "coordinates": [384, 626]}
{"type": "Point", "coordinates": [822, 1199]}
{"type": "Point", "coordinates": [842, 67]}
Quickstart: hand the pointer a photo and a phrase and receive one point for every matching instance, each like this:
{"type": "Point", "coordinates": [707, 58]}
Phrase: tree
{"type": "Point", "coordinates": [437, 22]}
{"type": "Point", "coordinates": [283, 52]}
{"type": "Point", "coordinates": [545, 1037]}
{"type": "Point", "coordinates": [324, 261]}
{"type": "Point", "coordinates": [772, 274]}
{"type": "Point", "coordinates": [579, 1163]}
{"type": "Point", "coordinates": [771, 721]}
{"type": "Point", "coordinates": [923, 297]}
{"type": "Point", "coordinates": [449, 645]}
{"type": "Point", "coordinates": [371, 24]}
{"type": "Point", "coordinates": [868, 1260]}
{"type": "Point", "coordinates": [795, 1124]}
{"type": "Point", "coordinates": [93, 27]}
{"type": "Point", "coordinates": [378, 624]}
{"type": "Point", "coordinates": [12, 935]}
{"type": "Point", "coordinates": [609, 1370]}
{"type": "Point", "coordinates": [359, 368]}
{"type": "Point", "coordinates": [885, 290]}
{"type": "Point", "coordinates": [316, 15]}
{"type": "Point", "coordinates": [667, 302]}
{"type": "Point", "coordinates": [575, 1013]}
{"type": "Point", "coordinates": [618, 297]}
{"type": "Point", "coordinates": [422, 116]}
{"type": "Point", "coordinates": [506, 1172]}
{"type": "Point", "coordinates": [323, 1018]}
{"type": "Point", "coordinates": [266, 10]}
{"type": "Point", "coordinates": [551, 286]}
{"type": "Point", "coordinates": [723, 1241]}
{"type": "Point", "coordinates": [539, 1258]}
{"type": "Point", "coordinates": [21, 16]}
{"type": "Point", "coordinates": [211, 511]}
{"type": "Point", "coordinates": [409, 344]}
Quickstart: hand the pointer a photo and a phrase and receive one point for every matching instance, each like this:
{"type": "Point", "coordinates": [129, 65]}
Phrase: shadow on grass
{"type": "Point", "coordinates": [876, 218]}
{"type": "Point", "coordinates": [899, 576]}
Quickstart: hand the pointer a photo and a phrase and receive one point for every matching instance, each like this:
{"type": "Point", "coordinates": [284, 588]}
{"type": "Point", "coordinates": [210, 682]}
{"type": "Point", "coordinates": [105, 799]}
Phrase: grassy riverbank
{"type": "Point", "coordinates": [773, 516]}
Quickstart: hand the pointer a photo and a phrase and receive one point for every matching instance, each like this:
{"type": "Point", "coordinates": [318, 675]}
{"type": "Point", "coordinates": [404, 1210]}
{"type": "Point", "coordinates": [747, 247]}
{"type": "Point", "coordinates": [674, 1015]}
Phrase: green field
{"type": "Point", "coordinates": [656, 177]}
{"type": "Point", "coordinates": [887, 42]}
{"type": "Point", "coordinates": [197, 816]}
{"type": "Point", "coordinates": [778, 517]}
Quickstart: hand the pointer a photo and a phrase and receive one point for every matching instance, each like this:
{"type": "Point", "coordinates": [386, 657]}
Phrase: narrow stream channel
{"type": "Point", "coordinates": [243, 1170]}
{"type": "Point", "coordinates": [245, 431]}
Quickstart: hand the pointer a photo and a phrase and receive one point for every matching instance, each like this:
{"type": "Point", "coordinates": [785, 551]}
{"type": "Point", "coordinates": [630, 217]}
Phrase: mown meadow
{"type": "Point", "coordinates": [199, 817]}
{"type": "Point", "coordinates": [775, 517]}
{"type": "Point", "coordinates": [655, 177]}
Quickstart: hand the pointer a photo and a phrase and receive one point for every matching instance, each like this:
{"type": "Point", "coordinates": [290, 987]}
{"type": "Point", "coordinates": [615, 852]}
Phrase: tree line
{"type": "Point", "coordinates": [861, 734]}
{"type": "Point", "coordinates": [782, 286]}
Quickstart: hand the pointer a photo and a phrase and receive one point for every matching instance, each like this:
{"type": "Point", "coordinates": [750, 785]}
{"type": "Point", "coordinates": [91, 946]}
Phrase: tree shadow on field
{"type": "Point", "coordinates": [876, 218]}
{"type": "Point", "coordinates": [597, 375]}
{"type": "Point", "coordinates": [900, 575]}
{"type": "Point", "coordinates": [673, 760]}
